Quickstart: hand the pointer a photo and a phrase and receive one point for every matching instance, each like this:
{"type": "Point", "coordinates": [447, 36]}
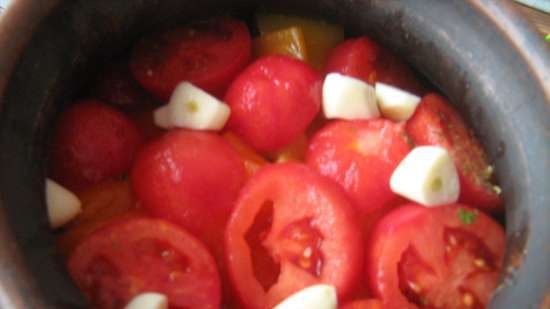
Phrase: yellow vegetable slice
{"type": "Point", "coordinates": [320, 36]}
{"type": "Point", "coordinates": [288, 41]}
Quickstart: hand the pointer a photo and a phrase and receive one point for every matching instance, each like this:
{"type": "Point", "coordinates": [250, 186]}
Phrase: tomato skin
{"type": "Point", "coordinates": [297, 195]}
{"type": "Point", "coordinates": [175, 176]}
{"type": "Point", "coordinates": [360, 156]}
{"type": "Point", "coordinates": [208, 54]}
{"type": "Point", "coordinates": [131, 256]}
{"type": "Point", "coordinates": [275, 97]}
{"type": "Point", "coordinates": [364, 59]}
{"type": "Point", "coordinates": [443, 268]}
{"type": "Point", "coordinates": [435, 122]}
{"type": "Point", "coordinates": [93, 142]}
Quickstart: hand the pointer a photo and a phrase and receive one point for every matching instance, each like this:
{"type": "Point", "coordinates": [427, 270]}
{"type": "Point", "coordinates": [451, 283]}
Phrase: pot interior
{"type": "Point", "coordinates": [453, 43]}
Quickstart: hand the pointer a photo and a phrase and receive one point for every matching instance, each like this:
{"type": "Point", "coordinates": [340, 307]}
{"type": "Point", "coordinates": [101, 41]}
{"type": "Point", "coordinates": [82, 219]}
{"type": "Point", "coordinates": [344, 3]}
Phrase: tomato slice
{"type": "Point", "coordinates": [445, 257]}
{"type": "Point", "coordinates": [208, 54]}
{"type": "Point", "coordinates": [436, 122]}
{"type": "Point", "coordinates": [290, 229]}
{"type": "Point", "coordinates": [360, 156]}
{"type": "Point", "coordinates": [92, 143]}
{"type": "Point", "coordinates": [273, 101]}
{"type": "Point", "coordinates": [137, 255]}
{"type": "Point", "coordinates": [192, 179]}
{"type": "Point", "coordinates": [289, 42]}
{"type": "Point", "coordinates": [364, 59]}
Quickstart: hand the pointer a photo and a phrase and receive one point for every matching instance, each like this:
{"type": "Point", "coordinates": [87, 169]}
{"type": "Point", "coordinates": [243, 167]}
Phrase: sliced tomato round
{"type": "Point", "coordinates": [364, 59]}
{"type": "Point", "coordinates": [446, 257]}
{"type": "Point", "coordinates": [436, 122]}
{"type": "Point", "coordinates": [93, 142]}
{"type": "Point", "coordinates": [192, 179]}
{"type": "Point", "coordinates": [208, 54]}
{"type": "Point", "coordinates": [360, 156]}
{"type": "Point", "coordinates": [273, 101]}
{"type": "Point", "coordinates": [291, 228]}
{"type": "Point", "coordinates": [132, 256]}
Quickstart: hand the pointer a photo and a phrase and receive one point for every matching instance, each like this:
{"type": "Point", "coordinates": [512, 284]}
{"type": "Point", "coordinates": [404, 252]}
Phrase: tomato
{"type": "Point", "coordinates": [360, 156]}
{"type": "Point", "coordinates": [252, 160]}
{"type": "Point", "coordinates": [273, 101]}
{"type": "Point", "coordinates": [436, 122]}
{"type": "Point", "coordinates": [93, 142]}
{"type": "Point", "coordinates": [446, 257]}
{"type": "Point", "coordinates": [290, 229]}
{"type": "Point", "coordinates": [364, 59]}
{"type": "Point", "coordinates": [131, 256]}
{"type": "Point", "coordinates": [117, 86]}
{"type": "Point", "coordinates": [288, 41]}
{"type": "Point", "coordinates": [319, 36]}
{"type": "Point", "coordinates": [364, 304]}
{"type": "Point", "coordinates": [192, 179]}
{"type": "Point", "coordinates": [208, 54]}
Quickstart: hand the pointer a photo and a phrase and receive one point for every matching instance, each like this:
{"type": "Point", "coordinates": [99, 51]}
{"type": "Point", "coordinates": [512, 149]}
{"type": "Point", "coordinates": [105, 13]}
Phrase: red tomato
{"type": "Point", "coordinates": [290, 229]}
{"type": "Point", "coordinates": [117, 87]}
{"type": "Point", "coordinates": [208, 54]}
{"type": "Point", "coordinates": [436, 122]}
{"type": "Point", "coordinates": [445, 257]}
{"type": "Point", "coordinates": [360, 156]}
{"type": "Point", "coordinates": [364, 59]}
{"type": "Point", "coordinates": [132, 256]}
{"type": "Point", "coordinates": [364, 304]}
{"type": "Point", "coordinates": [273, 101]}
{"type": "Point", "coordinates": [192, 179]}
{"type": "Point", "coordinates": [92, 142]}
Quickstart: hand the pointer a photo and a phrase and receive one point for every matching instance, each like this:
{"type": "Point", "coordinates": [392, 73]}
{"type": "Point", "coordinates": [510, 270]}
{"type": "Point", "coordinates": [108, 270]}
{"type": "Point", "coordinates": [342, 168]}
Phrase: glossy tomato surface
{"type": "Point", "coordinates": [131, 256]}
{"type": "Point", "coordinates": [361, 156]}
{"type": "Point", "coordinates": [291, 228]}
{"type": "Point", "coordinates": [436, 122]}
{"type": "Point", "coordinates": [273, 101]}
{"type": "Point", "coordinates": [190, 178]}
{"type": "Point", "coordinates": [208, 54]}
{"type": "Point", "coordinates": [364, 59]}
{"type": "Point", "coordinates": [446, 257]}
{"type": "Point", "coordinates": [92, 142]}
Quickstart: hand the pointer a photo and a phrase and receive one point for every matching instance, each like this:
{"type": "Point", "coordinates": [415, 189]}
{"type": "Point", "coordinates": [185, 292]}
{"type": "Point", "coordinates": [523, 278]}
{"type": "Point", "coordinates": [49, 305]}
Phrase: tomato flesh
{"type": "Point", "coordinates": [436, 122]}
{"type": "Point", "coordinates": [290, 229]}
{"type": "Point", "coordinates": [432, 258]}
{"type": "Point", "coordinates": [208, 54]}
{"type": "Point", "coordinates": [364, 59]}
{"type": "Point", "coordinates": [360, 156]}
{"type": "Point", "coordinates": [273, 101]}
{"type": "Point", "coordinates": [192, 179]}
{"type": "Point", "coordinates": [93, 142]}
{"type": "Point", "coordinates": [137, 255]}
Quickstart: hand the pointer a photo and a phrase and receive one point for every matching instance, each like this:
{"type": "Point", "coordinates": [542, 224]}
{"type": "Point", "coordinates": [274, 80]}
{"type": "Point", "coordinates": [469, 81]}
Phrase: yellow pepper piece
{"type": "Point", "coordinates": [289, 41]}
{"type": "Point", "coordinates": [293, 152]}
{"type": "Point", "coordinates": [320, 36]}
